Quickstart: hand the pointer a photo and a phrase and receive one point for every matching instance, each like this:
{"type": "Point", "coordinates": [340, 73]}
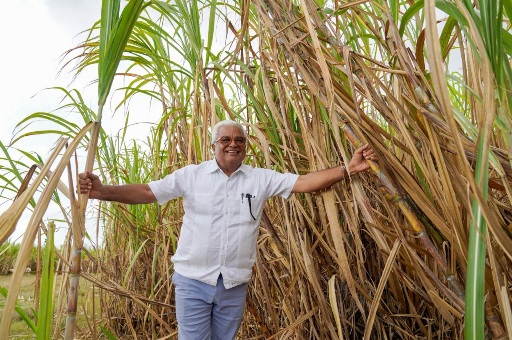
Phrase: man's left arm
{"type": "Point", "coordinates": [322, 179]}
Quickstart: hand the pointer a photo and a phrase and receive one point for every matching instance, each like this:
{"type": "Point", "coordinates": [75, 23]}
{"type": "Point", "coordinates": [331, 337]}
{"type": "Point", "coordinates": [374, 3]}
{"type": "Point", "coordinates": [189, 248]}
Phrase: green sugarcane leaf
{"type": "Point", "coordinates": [475, 277]}
{"type": "Point", "coordinates": [447, 7]}
{"type": "Point", "coordinates": [113, 49]}
{"type": "Point", "coordinates": [211, 29]}
{"type": "Point", "coordinates": [109, 18]}
{"type": "Point", "coordinates": [394, 6]}
{"type": "Point", "coordinates": [45, 313]}
{"type": "Point", "coordinates": [108, 333]}
{"type": "Point", "coordinates": [446, 34]}
{"type": "Point", "coordinates": [26, 318]}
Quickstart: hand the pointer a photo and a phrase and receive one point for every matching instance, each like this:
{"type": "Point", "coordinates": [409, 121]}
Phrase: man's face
{"type": "Point", "coordinates": [229, 154]}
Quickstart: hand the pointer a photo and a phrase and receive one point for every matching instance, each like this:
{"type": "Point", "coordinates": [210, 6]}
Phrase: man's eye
{"type": "Point", "coordinates": [240, 140]}
{"type": "Point", "coordinates": [225, 139]}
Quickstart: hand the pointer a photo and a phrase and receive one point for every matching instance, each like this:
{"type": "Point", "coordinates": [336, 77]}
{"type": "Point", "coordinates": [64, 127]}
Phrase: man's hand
{"type": "Point", "coordinates": [358, 162]}
{"type": "Point", "coordinates": [90, 183]}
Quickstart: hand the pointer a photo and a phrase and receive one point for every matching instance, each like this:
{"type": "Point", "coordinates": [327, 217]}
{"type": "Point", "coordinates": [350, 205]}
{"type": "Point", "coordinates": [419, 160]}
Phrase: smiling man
{"type": "Point", "coordinates": [223, 203]}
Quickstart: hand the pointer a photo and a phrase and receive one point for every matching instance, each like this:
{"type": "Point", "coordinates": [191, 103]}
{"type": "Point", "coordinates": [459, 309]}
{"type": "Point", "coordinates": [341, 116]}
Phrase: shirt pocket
{"type": "Point", "coordinates": [250, 207]}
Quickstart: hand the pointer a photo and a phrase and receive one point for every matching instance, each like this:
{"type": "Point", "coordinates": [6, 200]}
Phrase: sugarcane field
{"type": "Point", "coordinates": [307, 170]}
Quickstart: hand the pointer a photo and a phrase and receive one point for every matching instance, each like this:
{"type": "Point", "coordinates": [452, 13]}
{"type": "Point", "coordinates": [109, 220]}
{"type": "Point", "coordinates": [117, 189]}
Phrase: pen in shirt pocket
{"type": "Point", "coordinates": [249, 196]}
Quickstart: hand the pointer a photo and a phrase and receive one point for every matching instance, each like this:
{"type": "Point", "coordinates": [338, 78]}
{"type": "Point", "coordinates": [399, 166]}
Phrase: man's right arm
{"type": "Point", "coordinates": [127, 193]}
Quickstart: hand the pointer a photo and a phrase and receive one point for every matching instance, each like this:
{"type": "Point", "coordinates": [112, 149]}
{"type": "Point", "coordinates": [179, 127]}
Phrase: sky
{"type": "Point", "coordinates": [33, 36]}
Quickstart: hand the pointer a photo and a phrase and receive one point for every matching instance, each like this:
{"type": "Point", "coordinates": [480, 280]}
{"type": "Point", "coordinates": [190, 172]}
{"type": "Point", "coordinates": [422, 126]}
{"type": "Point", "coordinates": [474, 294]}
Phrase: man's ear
{"type": "Point", "coordinates": [213, 147]}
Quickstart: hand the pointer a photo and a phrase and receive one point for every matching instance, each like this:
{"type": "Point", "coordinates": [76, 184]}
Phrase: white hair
{"type": "Point", "coordinates": [227, 122]}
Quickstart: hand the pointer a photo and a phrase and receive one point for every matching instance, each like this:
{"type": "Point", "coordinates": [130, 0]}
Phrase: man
{"type": "Point", "coordinates": [223, 203]}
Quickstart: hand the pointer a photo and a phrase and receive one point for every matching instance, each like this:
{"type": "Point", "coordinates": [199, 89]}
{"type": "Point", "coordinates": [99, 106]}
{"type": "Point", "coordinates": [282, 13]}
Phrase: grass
{"type": "Point", "coordinates": [19, 329]}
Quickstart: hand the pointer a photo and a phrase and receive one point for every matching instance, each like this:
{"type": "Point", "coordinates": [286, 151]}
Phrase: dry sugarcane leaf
{"type": "Point", "coordinates": [10, 217]}
{"type": "Point", "coordinates": [344, 266]}
{"type": "Point", "coordinates": [264, 144]}
{"type": "Point", "coordinates": [36, 217]}
{"type": "Point", "coordinates": [314, 278]}
{"type": "Point", "coordinates": [378, 293]}
{"type": "Point", "coordinates": [334, 306]}
{"type": "Point", "coordinates": [445, 309]}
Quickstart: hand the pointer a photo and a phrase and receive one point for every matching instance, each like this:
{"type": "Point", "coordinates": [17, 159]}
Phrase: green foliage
{"type": "Point", "coordinates": [114, 34]}
{"type": "Point", "coordinates": [21, 312]}
{"type": "Point", "coordinates": [45, 312]}
{"type": "Point", "coordinates": [9, 253]}
{"type": "Point", "coordinates": [108, 333]}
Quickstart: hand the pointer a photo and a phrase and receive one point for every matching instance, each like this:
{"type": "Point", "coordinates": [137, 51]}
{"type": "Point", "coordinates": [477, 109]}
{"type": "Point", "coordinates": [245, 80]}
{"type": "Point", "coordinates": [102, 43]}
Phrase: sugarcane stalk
{"type": "Point", "coordinates": [74, 276]}
{"type": "Point", "coordinates": [115, 32]}
{"type": "Point", "coordinates": [411, 217]}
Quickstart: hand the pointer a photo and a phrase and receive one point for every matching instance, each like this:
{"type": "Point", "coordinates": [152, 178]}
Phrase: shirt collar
{"type": "Point", "coordinates": [214, 166]}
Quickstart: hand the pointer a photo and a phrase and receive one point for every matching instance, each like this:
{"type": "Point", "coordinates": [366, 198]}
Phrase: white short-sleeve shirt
{"type": "Point", "coordinates": [219, 234]}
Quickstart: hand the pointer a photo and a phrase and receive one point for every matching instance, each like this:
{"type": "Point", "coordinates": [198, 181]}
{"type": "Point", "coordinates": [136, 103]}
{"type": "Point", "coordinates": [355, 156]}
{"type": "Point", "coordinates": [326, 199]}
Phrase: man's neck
{"type": "Point", "coordinates": [229, 169]}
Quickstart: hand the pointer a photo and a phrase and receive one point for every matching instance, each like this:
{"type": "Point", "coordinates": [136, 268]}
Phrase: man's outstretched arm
{"type": "Point", "coordinates": [127, 193]}
{"type": "Point", "coordinates": [322, 179]}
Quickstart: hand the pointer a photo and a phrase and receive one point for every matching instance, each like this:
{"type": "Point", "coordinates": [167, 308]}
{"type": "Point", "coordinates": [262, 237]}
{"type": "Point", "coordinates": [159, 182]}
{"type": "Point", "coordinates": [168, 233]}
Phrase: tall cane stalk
{"type": "Point", "coordinates": [414, 221]}
{"type": "Point", "coordinates": [115, 31]}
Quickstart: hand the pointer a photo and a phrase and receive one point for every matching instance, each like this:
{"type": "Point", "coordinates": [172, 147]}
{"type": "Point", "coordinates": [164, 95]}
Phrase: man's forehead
{"type": "Point", "coordinates": [230, 130]}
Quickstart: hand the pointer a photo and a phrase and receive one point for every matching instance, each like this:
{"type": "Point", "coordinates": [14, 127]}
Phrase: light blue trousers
{"type": "Point", "coordinates": [206, 312]}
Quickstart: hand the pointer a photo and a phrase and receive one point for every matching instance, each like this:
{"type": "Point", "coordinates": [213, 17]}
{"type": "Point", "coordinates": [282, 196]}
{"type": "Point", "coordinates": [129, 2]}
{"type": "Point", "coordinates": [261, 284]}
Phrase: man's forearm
{"type": "Point", "coordinates": [128, 193]}
{"type": "Point", "coordinates": [319, 180]}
